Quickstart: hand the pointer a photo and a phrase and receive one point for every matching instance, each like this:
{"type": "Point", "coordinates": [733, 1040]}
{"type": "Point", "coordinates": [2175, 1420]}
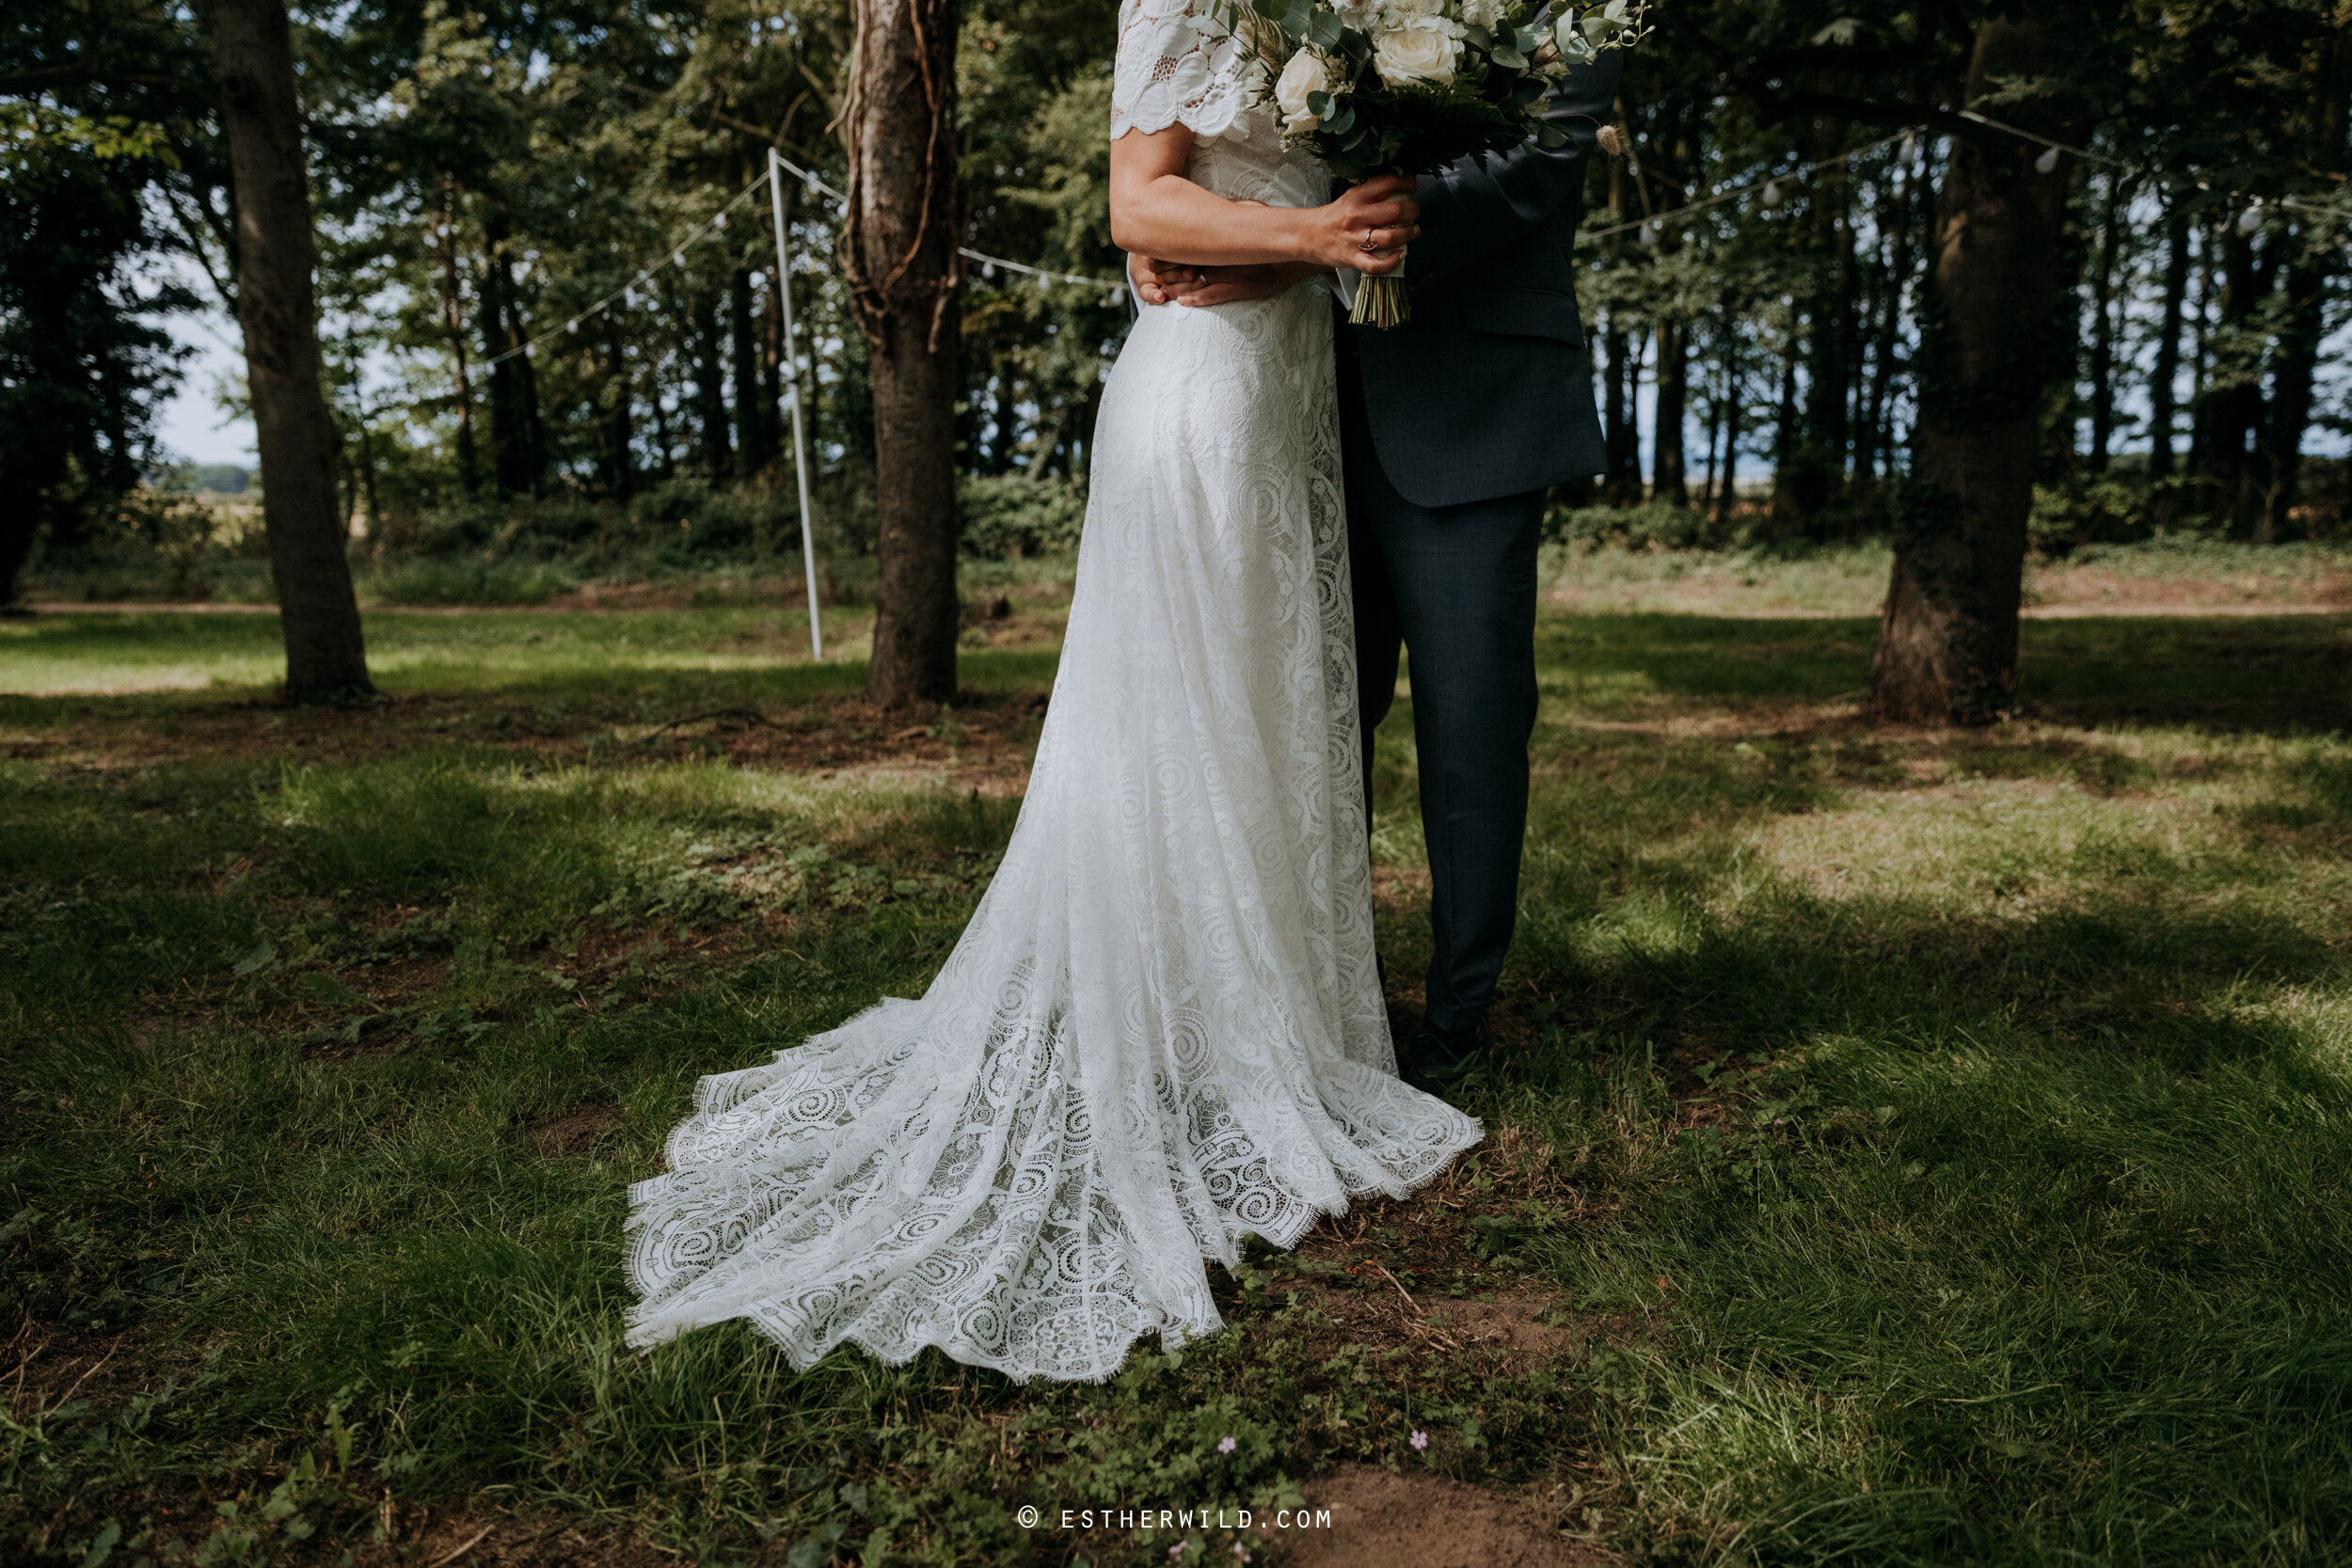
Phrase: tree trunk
{"type": "Point", "coordinates": [1727, 489]}
{"type": "Point", "coordinates": [277, 311]}
{"type": "Point", "coordinates": [898, 257]}
{"type": "Point", "coordinates": [1787, 510]}
{"type": "Point", "coordinates": [1947, 645]}
{"type": "Point", "coordinates": [516, 449]}
{"type": "Point", "coordinates": [2234, 407]}
{"type": "Point", "coordinates": [367, 480]}
{"type": "Point", "coordinates": [2103, 325]}
{"type": "Point", "coordinates": [1616, 423]}
{"type": "Point", "coordinates": [2315, 260]}
{"type": "Point", "coordinates": [751, 431]}
{"type": "Point", "coordinates": [1714, 442]}
{"type": "Point", "coordinates": [2163, 386]}
{"type": "Point", "coordinates": [710, 389]}
{"type": "Point", "coordinates": [771, 410]}
{"type": "Point", "coordinates": [1890, 321]}
{"type": "Point", "coordinates": [2201, 355]}
{"type": "Point", "coordinates": [453, 318]}
{"type": "Point", "coordinates": [1669, 476]}
{"type": "Point", "coordinates": [620, 434]}
{"type": "Point", "coordinates": [1004, 427]}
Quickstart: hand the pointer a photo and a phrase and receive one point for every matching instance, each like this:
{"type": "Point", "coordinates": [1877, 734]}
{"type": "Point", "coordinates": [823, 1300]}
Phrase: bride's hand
{"type": "Point", "coordinates": [1367, 228]}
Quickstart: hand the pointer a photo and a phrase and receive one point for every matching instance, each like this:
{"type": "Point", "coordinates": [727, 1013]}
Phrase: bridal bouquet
{"type": "Point", "coordinates": [1407, 87]}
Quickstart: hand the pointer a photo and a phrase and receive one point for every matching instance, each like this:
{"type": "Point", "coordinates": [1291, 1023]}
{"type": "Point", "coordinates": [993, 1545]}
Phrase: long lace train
{"type": "Point", "coordinates": [1163, 1028]}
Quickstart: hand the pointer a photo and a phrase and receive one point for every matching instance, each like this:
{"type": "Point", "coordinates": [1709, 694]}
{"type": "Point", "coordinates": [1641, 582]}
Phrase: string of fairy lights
{"type": "Point", "coordinates": [1770, 190]}
{"type": "Point", "coordinates": [1112, 290]}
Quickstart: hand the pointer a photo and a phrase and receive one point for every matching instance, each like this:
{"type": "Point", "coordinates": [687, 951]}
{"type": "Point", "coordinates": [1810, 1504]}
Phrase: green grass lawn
{"type": "Point", "coordinates": [1915, 1147]}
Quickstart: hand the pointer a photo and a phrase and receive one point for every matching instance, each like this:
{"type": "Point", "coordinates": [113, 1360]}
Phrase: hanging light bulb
{"type": "Point", "coordinates": [988, 270]}
{"type": "Point", "coordinates": [1911, 146]}
{"type": "Point", "coordinates": [572, 325]}
{"type": "Point", "coordinates": [2047, 163]}
{"type": "Point", "coordinates": [2250, 219]}
{"type": "Point", "coordinates": [719, 222]}
{"type": "Point", "coordinates": [1771, 192]}
{"type": "Point", "coordinates": [678, 259]}
{"type": "Point", "coordinates": [1650, 233]}
{"type": "Point", "coordinates": [1043, 283]}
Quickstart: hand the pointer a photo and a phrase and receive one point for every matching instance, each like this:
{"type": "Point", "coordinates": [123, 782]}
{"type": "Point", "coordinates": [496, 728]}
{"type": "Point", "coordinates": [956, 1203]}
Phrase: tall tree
{"type": "Point", "coordinates": [1947, 644]}
{"type": "Point", "coordinates": [2163, 382]}
{"type": "Point", "coordinates": [899, 255]}
{"type": "Point", "coordinates": [2317, 256]}
{"type": "Point", "coordinates": [277, 311]}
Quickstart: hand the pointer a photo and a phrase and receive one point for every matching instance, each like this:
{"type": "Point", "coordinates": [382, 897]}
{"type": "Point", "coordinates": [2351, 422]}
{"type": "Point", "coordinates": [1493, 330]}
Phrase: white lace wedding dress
{"type": "Point", "coordinates": [1162, 1029]}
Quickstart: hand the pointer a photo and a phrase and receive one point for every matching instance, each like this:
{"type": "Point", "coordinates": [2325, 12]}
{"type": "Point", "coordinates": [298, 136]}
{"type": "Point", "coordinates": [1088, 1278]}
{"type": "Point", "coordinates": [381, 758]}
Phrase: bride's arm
{"type": "Point", "coordinates": [1156, 212]}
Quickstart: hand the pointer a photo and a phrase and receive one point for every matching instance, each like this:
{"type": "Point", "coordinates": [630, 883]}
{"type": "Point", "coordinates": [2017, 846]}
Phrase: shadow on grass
{"type": "Point", "coordinates": [2279, 675]}
{"type": "Point", "coordinates": [2016, 1234]}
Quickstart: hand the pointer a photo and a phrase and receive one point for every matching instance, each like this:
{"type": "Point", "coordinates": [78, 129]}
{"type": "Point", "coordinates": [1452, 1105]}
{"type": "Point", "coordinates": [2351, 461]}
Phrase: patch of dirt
{"type": "Point", "coordinates": [983, 741]}
{"type": "Point", "coordinates": [1385, 1519]}
{"type": "Point", "coordinates": [2063, 592]}
{"type": "Point", "coordinates": [49, 1367]}
{"type": "Point", "coordinates": [577, 1131]}
{"type": "Point", "coordinates": [1404, 1273]}
{"type": "Point", "coordinates": [504, 1541]}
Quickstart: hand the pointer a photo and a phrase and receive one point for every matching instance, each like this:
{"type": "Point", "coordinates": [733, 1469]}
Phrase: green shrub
{"type": "Point", "coordinates": [1009, 517]}
{"type": "Point", "coordinates": [467, 579]}
{"type": "Point", "coordinates": [1653, 525]}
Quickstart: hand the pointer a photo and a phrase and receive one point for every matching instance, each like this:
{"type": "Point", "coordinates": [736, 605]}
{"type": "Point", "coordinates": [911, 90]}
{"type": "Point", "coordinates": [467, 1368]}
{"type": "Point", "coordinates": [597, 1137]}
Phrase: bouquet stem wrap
{"type": "Point", "coordinates": [1381, 302]}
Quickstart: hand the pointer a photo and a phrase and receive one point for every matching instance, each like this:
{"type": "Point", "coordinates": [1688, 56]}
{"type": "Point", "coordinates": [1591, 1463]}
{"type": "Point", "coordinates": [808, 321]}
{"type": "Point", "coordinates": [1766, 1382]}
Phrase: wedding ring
{"type": "Point", "coordinates": [1371, 242]}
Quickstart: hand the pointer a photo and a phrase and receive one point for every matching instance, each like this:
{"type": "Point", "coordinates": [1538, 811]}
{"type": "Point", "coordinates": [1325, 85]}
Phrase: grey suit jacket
{"type": "Point", "coordinates": [1488, 391]}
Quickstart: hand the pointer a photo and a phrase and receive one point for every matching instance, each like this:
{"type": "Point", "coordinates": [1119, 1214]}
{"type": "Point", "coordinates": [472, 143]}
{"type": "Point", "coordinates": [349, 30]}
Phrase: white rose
{"type": "Point", "coordinates": [1306, 74]}
{"type": "Point", "coordinates": [1482, 13]}
{"type": "Point", "coordinates": [1420, 51]}
{"type": "Point", "coordinates": [1396, 13]}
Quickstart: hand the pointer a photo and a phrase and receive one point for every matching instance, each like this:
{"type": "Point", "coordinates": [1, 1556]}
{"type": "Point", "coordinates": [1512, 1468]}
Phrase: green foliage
{"type": "Point", "coordinates": [1007, 517]}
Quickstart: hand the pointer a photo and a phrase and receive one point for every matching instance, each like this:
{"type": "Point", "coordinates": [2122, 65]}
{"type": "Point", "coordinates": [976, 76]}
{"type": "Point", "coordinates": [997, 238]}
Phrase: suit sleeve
{"type": "Point", "coordinates": [1475, 207]}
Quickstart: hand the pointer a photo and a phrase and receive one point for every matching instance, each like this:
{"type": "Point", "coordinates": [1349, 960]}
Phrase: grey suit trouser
{"type": "Point", "coordinates": [1455, 586]}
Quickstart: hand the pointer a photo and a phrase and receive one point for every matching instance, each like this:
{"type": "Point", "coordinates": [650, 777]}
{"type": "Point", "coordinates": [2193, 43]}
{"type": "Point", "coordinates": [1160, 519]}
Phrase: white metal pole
{"type": "Point", "coordinates": [792, 369]}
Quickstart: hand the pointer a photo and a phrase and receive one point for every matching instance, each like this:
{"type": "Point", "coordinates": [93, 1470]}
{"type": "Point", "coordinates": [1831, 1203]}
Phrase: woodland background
{"type": "Point", "coordinates": [1910, 1142]}
{"type": "Point", "coordinates": [482, 173]}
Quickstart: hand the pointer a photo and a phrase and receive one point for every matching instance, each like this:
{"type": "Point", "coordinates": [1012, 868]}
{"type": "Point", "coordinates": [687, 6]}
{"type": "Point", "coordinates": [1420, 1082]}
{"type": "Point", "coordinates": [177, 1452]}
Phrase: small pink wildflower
{"type": "Point", "coordinates": [1177, 1550]}
{"type": "Point", "coordinates": [1227, 1445]}
{"type": "Point", "coordinates": [1421, 1441]}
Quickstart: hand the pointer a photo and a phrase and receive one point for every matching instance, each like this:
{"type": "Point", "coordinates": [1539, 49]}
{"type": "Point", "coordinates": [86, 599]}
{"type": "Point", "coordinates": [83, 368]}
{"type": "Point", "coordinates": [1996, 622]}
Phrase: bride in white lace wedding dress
{"type": "Point", "coordinates": [1163, 1029]}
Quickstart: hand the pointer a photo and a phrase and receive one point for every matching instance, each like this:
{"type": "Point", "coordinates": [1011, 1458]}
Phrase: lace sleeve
{"type": "Point", "coordinates": [1174, 65]}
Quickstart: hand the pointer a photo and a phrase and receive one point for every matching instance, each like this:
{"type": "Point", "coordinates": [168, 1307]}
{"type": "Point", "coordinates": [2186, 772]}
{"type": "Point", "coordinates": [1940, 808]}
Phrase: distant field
{"type": "Point", "coordinates": [2160, 576]}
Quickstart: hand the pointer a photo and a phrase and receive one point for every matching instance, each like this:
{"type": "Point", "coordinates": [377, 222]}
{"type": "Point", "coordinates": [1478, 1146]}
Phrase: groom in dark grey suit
{"type": "Point", "coordinates": [1453, 427]}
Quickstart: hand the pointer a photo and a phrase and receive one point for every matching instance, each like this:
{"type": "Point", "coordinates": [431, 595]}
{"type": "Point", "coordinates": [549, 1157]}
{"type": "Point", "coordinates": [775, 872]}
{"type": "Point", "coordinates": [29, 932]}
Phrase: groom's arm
{"type": "Point", "coordinates": [1474, 208]}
